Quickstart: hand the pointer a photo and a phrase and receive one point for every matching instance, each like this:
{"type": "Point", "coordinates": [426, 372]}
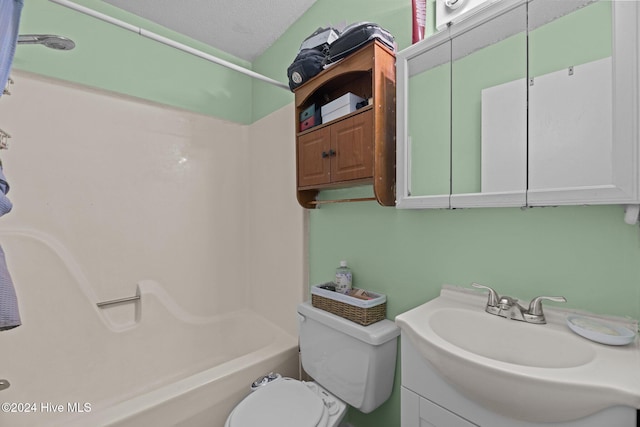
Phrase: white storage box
{"type": "Point", "coordinates": [339, 107]}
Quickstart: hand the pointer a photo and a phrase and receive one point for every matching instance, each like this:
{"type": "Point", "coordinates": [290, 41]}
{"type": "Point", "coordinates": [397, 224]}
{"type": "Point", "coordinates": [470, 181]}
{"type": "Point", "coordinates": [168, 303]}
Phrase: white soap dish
{"type": "Point", "coordinates": [600, 331]}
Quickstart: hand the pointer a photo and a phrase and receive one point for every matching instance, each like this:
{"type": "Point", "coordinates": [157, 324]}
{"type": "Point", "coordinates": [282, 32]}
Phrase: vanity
{"type": "Point", "coordinates": [464, 367]}
{"type": "Point", "coordinates": [525, 103]}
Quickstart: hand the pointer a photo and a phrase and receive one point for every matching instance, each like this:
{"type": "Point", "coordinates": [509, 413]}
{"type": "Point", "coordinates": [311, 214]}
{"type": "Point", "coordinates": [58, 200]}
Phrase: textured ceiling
{"type": "Point", "coordinates": [244, 29]}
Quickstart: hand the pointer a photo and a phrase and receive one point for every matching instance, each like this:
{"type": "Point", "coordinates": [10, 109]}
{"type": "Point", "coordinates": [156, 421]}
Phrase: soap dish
{"type": "Point", "coordinates": [600, 331]}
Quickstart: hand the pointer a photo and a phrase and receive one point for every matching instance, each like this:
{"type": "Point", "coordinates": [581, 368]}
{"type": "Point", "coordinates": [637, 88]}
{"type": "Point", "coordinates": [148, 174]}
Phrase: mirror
{"type": "Point", "coordinates": [541, 110]}
{"type": "Point", "coordinates": [424, 130]}
{"type": "Point", "coordinates": [571, 94]}
{"type": "Point", "coordinates": [428, 124]}
{"type": "Point", "coordinates": [489, 112]}
{"type": "Point", "coordinates": [461, 142]}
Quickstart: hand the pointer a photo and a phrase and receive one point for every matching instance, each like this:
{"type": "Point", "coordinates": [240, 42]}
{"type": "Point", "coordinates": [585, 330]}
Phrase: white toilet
{"type": "Point", "coordinates": [351, 364]}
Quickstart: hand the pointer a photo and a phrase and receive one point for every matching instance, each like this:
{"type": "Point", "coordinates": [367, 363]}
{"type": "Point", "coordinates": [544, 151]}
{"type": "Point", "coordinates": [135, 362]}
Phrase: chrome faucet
{"type": "Point", "coordinates": [510, 308]}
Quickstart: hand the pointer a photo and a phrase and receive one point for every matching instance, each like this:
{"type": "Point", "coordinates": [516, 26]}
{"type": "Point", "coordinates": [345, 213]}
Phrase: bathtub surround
{"type": "Point", "coordinates": [113, 197]}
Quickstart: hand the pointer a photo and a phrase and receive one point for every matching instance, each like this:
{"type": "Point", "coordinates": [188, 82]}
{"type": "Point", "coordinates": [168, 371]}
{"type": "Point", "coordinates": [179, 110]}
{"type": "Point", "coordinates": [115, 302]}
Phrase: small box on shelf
{"type": "Point", "coordinates": [314, 120]}
{"type": "Point", "coordinates": [308, 113]}
{"type": "Point", "coordinates": [340, 107]}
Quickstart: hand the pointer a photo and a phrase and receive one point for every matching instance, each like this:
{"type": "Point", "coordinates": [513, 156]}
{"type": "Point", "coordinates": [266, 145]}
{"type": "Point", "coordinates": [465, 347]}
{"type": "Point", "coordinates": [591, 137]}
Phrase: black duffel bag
{"type": "Point", "coordinates": [307, 64]}
{"type": "Point", "coordinates": [357, 35]}
{"type": "Point", "coordinates": [311, 57]}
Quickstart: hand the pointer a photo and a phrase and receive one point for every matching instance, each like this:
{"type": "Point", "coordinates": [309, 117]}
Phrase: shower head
{"type": "Point", "coordinates": [51, 41]}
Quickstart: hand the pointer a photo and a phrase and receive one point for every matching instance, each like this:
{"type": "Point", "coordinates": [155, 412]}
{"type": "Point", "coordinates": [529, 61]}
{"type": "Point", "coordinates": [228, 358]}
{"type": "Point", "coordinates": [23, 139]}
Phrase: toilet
{"type": "Point", "coordinates": [350, 364]}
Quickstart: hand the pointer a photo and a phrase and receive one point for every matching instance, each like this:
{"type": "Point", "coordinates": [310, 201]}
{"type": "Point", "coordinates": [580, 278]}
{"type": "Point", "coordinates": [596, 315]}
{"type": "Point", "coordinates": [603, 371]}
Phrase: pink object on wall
{"type": "Point", "coordinates": [419, 15]}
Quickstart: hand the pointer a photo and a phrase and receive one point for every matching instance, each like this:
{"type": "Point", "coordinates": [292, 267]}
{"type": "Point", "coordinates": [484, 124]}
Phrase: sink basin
{"type": "Point", "coordinates": [533, 373]}
{"type": "Point", "coordinates": [509, 341]}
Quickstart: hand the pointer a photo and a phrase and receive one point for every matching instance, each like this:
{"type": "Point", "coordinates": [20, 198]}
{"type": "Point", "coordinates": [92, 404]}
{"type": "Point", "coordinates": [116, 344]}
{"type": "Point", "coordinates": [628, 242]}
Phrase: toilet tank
{"type": "Point", "coordinates": [356, 363]}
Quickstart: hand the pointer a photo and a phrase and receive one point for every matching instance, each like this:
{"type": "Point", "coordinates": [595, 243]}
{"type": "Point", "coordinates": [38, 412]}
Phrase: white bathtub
{"type": "Point", "coordinates": [146, 363]}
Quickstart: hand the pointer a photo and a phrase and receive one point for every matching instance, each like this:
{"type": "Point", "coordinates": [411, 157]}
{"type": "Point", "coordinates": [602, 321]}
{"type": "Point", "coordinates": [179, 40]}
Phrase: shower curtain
{"type": "Point", "coordinates": [10, 11]}
{"type": "Point", "coordinates": [9, 21]}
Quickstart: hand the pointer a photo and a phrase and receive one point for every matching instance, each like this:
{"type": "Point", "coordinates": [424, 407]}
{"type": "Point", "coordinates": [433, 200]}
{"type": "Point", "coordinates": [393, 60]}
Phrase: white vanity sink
{"type": "Point", "coordinates": [535, 373]}
{"type": "Point", "coordinates": [513, 342]}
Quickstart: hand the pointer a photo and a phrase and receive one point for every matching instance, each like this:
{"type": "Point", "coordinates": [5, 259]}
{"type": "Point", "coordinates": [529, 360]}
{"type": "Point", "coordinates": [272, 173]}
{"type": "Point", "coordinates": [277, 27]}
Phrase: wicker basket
{"type": "Point", "coordinates": [363, 312]}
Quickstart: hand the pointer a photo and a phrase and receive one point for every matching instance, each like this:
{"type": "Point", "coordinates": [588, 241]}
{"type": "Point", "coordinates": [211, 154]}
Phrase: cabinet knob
{"type": "Point", "coordinates": [332, 152]}
{"type": "Point", "coordinates": [325, 154]}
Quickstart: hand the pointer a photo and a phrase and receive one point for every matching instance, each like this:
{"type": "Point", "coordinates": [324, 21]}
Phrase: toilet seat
{"type": "Point", "coordinates": [287, 403]}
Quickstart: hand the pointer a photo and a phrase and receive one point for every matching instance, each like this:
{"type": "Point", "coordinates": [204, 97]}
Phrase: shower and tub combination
{"type": "Point", "coordinates": [80, 226]}
{"type": "Point", "coordinates": [186, 351]}
{"type": "Point", "coordinates": [156, 364]}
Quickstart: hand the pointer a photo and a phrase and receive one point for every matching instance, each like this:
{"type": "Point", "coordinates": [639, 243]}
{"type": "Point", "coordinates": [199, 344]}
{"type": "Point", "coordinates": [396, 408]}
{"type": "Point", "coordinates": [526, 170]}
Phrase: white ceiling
{"type": "Point", "coordinates": [244, 29]}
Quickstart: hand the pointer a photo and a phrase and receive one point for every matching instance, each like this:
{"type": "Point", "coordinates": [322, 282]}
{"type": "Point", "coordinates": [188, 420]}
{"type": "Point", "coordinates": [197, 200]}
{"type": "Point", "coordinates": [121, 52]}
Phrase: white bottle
{"type": "Point", "coordinates": [344, 278]}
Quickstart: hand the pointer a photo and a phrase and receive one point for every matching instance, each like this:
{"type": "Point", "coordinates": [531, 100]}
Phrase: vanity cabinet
{"type": "Point", "coordinates": [527, 103]}
{"type": "Point", "coordinates": [427, 399]}
{"type": "Point", "coordinates": [419, 412]}
{"type": "Point", "coordinates": [357, 148]}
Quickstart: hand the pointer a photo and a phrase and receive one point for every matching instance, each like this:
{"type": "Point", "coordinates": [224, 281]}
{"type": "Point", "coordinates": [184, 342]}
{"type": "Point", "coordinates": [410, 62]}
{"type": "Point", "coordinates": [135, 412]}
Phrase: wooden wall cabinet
{"type": "Point", "coordinates": [355, 149]}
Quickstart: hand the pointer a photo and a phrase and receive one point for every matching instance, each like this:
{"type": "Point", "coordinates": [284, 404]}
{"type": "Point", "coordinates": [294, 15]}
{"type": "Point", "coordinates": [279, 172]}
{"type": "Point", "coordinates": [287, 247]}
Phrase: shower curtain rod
{"type": "Point", "coordinates": [166, 41]}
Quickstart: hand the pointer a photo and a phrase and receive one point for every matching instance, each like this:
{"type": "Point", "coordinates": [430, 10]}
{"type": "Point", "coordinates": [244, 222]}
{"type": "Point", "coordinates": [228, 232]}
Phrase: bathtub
{"type": "Point", "coordinates": [143, 363]}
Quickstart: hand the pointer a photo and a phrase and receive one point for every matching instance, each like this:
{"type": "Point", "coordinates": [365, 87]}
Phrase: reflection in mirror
{"type": "Point", "coordinates": [489, 112]}
{"type": "Point", "coordinates": [429, 116]}
{"type": "Point", "coordinates": [571, 95]}
{"type": "Point", "coordinates": [424, 124]}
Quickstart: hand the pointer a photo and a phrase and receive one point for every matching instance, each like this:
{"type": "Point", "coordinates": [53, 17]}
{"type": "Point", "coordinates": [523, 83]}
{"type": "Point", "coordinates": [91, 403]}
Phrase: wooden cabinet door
{"type": "Point", "coordinates": [314, 158]}
{"type": "Point", "coordinates": [352, 142]}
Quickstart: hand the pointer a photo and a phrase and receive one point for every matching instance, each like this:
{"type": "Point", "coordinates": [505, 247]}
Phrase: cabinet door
{"type": "Point", "coordinates": [352, 142]}
{"type": "Point", "coordinates": [489, 111]}
{"type": "Point", "coordinates": [432, 415]}
{"type": "Point", "coordinates": [462, 113]}
{"type": "Point", "coordinates": [416, 411]}
{"type": "Point", "coordinates": [314, 158]}
{"type": "Point", "coordinates": [423, 174]}
{"type": "Point", "coordinates": [583, 102]}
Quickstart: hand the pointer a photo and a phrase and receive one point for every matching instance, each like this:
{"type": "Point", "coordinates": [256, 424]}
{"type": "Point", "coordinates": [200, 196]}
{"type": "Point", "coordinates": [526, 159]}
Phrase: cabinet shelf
{"type": "Point", "coordinates": [320, 126]}
{"type": "Point", "coordinates": [359, 147]}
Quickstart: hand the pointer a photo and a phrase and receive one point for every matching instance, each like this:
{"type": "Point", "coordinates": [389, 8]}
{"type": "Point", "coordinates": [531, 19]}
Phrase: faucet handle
{"type": "Point", "coordinates": [535, 307]}
{"type": "Point", "coordinates": [493, 299]}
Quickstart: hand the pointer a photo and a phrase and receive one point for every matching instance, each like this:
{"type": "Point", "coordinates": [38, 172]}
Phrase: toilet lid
{"type": "Point", "coordinates": [283, 403]}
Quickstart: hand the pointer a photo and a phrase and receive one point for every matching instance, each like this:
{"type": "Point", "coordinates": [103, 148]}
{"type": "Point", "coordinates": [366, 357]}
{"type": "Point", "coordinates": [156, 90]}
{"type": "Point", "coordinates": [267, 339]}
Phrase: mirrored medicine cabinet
{"type": "Point", "coordinates": [525, 103]}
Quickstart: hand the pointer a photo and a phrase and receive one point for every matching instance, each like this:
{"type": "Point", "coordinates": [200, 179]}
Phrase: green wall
{"type": "Point", "coordinates": [428, 126]}
{"type": "Point", "coordinates": [110, 58]}
{"type": "Point", "coordinates": [587, 254]}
